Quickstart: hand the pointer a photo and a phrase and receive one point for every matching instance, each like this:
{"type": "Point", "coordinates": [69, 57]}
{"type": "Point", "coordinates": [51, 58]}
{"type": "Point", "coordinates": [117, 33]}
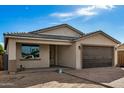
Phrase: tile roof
{"type": "Point", "coordinates": [35, 35]}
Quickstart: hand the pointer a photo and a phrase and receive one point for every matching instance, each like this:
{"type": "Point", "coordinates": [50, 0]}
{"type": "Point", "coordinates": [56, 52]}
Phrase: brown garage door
{"type": "Point", "coordinates": [97, 56]}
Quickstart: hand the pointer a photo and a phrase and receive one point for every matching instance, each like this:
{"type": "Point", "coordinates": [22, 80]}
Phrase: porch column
{"type": "Point", "coordinates": [12, 56]}
{"type": "Point", "coordinates": [78, 56]}
{"type": "Point", "coordinates": [56, 55]}
{"type": "Point", "coordinates": [115, 56]}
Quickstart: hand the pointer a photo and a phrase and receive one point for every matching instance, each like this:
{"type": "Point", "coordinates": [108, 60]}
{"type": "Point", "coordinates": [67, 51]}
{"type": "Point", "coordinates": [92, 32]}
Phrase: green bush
{"type": "Point", "coordinates": [1, 49]}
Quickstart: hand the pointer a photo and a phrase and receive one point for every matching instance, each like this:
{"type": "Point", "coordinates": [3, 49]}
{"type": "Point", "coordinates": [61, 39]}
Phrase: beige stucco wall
{"type": "Point", "coordinates": [11, 49]}
{"type": "Point", "coordinates": [67, 56]}
{"type": "Point", "coordinates": [14, 52]}
{"type": "Point", "coordinates": [63, 31]}
{"type": "Point", "coordinates": [42, 62]}
{"type": "Point", "coordinates": [97, 39]}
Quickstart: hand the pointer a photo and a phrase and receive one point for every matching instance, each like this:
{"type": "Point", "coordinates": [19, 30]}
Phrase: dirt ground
{"type": "Point", "coordinates": [44, 79]}
{"type": "Point", "coordinates": [49, 78]}
{"type": "Point", "coordinates": [112, 76]}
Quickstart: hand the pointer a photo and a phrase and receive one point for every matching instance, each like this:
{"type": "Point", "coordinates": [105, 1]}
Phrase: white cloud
{"type": "Point", "coordinates": [83, 11]}
{"type": "Point", "coordinates": [107, 7]}
{"type": "Point", "coordinates": [93, 10]}
{"type": "Point", "coordinates": [62, 14]}
{"type": "Point", "coordinates": [88, 11]}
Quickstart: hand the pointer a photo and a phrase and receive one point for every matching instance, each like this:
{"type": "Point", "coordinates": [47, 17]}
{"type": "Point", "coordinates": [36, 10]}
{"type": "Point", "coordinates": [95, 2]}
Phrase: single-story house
{"type": "Point", "coordinates": [61, 45]}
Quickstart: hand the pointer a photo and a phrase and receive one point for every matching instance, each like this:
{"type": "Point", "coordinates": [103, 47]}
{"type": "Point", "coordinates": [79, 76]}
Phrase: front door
{"type": "Point", "coordinates": [52, 55]}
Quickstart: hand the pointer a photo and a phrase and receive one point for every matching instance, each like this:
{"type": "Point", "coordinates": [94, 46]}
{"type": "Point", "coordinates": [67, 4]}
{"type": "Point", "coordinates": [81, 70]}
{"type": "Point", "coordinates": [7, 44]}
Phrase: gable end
{"type": "Point", "coordinates": [54, 28]}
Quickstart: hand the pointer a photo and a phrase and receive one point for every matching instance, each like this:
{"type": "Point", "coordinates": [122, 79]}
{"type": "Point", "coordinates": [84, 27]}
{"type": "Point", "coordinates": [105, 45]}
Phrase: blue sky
{"type": "Point", "coordinates": [26, 18]}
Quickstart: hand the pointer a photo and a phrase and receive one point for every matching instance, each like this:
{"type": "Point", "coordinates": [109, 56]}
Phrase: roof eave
{"type": "Point", "coordinates": [33, 38]}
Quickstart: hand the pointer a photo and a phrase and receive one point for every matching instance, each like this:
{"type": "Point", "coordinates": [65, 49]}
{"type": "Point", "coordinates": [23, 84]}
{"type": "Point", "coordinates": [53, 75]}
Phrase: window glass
{"type": "Point", "coordinates": [30, 51]}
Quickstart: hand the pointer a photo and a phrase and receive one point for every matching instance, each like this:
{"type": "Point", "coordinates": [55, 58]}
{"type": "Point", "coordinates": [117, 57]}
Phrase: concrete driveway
{"type": "Point", "coordinates": [113, 76]}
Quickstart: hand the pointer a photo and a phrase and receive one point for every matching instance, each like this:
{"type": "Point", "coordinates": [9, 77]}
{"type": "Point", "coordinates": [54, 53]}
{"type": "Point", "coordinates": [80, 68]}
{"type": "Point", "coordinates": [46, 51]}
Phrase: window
{"type": "Point", "coordinates": [30, 51]}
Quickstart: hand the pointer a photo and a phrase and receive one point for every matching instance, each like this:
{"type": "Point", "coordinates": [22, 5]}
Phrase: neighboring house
{"type": "Point", "coordinates": [60, 45]}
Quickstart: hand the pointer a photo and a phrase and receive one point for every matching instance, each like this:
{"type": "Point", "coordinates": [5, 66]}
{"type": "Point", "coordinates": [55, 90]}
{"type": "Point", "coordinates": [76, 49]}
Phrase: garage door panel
{"type": "Point", "coordinates": [88, 63]}
{"type": "Point", "coordinates": [97, 52]}
{"type": "Point", "coordinates": [94, 56]}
